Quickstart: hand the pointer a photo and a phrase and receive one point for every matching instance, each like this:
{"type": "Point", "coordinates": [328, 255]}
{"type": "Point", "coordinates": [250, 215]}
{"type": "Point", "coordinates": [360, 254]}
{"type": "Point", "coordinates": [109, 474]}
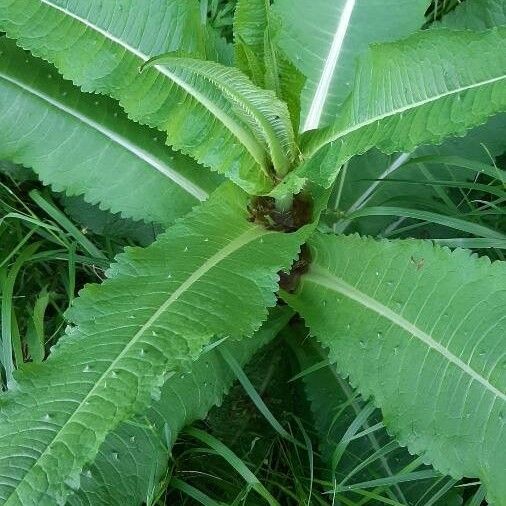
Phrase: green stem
{"type": "Point", "coordinates": [284, 202]}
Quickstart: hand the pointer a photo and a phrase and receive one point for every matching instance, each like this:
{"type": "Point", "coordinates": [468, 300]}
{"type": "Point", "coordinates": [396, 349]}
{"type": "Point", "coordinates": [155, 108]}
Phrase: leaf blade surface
{"type": "Point", "coordinates": [100, 46]}
{"type": "Point", "coordinates": [84, 144]}
{"type": "Point", "coordinates": [324, 38]}
{"type": "Point", "coordinates": [420, 329]}
{"type": "Point", "coordinates": [134, 457]}
{"type": "Point", "coordinates": [435, 84]}
{"type": "Point", "coordinates": [160, 306]}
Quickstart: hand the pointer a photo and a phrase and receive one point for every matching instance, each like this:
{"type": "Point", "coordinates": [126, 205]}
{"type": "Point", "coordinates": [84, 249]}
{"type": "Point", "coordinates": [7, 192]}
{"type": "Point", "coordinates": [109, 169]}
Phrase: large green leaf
{"type": "Point", "coordinates": [323, 39]}
{"type": "Point", "coordinates": [369, 179]}
{"type": "Point", "coordinates": [420, 329]}
{"type": "Point", "coordinates": [435, 84]}
{"type": "Point", "coordinates": [101, 35]}
{"type": "Point", "coordinates": [134, 458]}
{"type": "Point", "coordinates": [252, 114]}
{"type": "Point", "coordinates": [101, 45]}
{"type": "Point", "coordinates": [84, 144]}
{"type": "Point", "coordinates": [158, 309]}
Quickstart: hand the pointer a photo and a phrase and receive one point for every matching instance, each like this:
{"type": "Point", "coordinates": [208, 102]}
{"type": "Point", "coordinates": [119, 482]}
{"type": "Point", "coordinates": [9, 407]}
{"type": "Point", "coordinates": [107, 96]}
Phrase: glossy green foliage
{"type": "Point", "coordinates": [250, 25]}
{"type": "Point", "coordinates": [324, 38]}
{"type": "Point", "coordinates": [96, 47]}
{"type": "Point", "coordinates": [85, 145]}
{"type": "Point", "coordinates": [415, 327]}
{"type": "Point", "coordinates": [133, 459]}
{"type": "Point", "coordinates": [253, 115]}
{"type": "Point", "coordinates": [145, 323]}
{"type": "Point", "coordinates": [420, 329]}
{"type": "Point", "coordinates": [430, 86]}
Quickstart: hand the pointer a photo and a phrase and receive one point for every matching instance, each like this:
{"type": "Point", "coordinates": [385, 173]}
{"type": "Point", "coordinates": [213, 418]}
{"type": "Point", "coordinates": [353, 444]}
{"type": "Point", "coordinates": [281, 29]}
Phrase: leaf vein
{"type": "Point", "coordinates": [327, 280]}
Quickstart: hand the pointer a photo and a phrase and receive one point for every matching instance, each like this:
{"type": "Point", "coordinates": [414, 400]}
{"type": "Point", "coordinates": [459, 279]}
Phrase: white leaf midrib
{"type": "Point", "coordinates": [248, 105]}
{"type": "Point", "coordinates": [327, 280]}
{"type": "Point", "coordinates": [155, 162]}
{"type": "Point", "coordinates": [334, 136]}
{"type": "Point", "coordinates": [248, 141]}
{"type": "Point", "coordinates": [242, 240]}
{"type": "Point", "coordinates": [327, 75]}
